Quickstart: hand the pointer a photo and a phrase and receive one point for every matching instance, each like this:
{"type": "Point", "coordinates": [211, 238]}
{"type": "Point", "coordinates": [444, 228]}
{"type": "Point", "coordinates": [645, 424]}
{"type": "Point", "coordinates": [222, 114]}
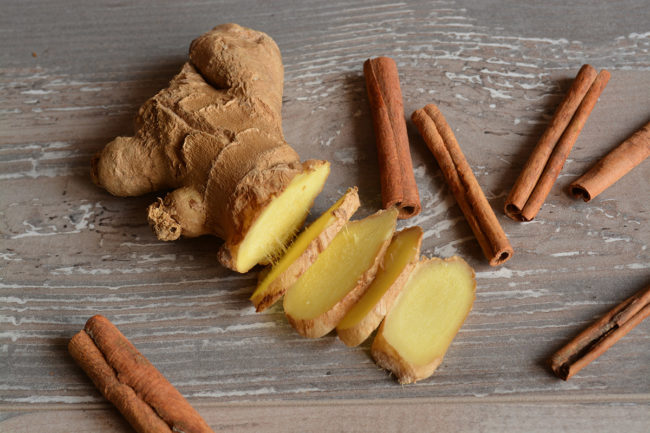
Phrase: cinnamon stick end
{"type": "Point", "coordinates": [514, 212]}
{"type": "Point", "coordinates": [501, 256]}
{"type": "Point", "coordinates": [578, 191]}
{"type": "Point", "coordinates": [407, 201]}
{"type": "Point", "coordinates": [589, 70]}
{"type": "Point", "coordinates": [606, 75]}
{"type": "Point", "coordinates": [416, 116]}
{"type": "Point", "coordinates": [407, 211]}
{"type": "Point", "coordinates": [560, 369]}
{"type": "Point", "coordinates": [380, 60]}
{"type": "Point", "coordinates": [79, 340]}
{"type": "Point", "coordinates": [96, 319]}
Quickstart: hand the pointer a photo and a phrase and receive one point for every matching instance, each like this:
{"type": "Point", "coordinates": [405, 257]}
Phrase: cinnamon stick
{"type": "Point", "coordinates": [398, 186]}
{"type": "Point", "coordinates": [130, 382]}
{"type": "Point", "coordinates": [441, 141]}
{"type": "Point", "coordinates": [613, 166]}
{"type": "Point", "coordinates": [545, 163]}
{"type": "Point", "coordinates": [601, 335]}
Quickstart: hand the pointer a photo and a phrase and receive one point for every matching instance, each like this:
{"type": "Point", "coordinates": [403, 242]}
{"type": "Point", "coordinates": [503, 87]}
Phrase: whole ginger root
{"type": "Point", "coordinates": [214, 136]}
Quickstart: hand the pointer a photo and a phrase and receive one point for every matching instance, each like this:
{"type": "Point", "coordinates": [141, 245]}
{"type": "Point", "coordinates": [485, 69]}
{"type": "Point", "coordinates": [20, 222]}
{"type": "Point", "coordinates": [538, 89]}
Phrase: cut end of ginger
{"type": "Point", "coordinates": [427, 315]}
{"type": "Point", "coordinates": [368, 312]}
{"type": "Point", "coordinates": [303, 251]}
{"type": "Point", "coordinates": [340, 275]}
{"type": "Point", "coordinates": [280, 220]}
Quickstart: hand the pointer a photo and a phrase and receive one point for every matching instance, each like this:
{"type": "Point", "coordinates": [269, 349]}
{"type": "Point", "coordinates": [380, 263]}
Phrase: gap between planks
{"type": "Point", "coordinates": [640, 398]}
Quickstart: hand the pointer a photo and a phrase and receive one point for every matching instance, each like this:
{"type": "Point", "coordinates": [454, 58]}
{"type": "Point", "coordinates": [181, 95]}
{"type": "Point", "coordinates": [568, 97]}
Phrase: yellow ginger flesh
{"type": "Point", "coordinates": [430, 311]}
{"type": "Point", "coordinates": [338, 268]}
{"type": "Point", "coordinates": [403, 249]}
{"type": "Point", "coordinates": [269, 288]}
{"type": "Point", "coordinates": [274, 227]}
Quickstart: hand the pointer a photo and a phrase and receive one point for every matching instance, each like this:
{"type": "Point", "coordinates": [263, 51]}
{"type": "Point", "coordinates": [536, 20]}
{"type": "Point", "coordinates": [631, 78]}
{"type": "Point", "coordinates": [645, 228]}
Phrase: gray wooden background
{"type": "Point", "coordinates": [72, 76]}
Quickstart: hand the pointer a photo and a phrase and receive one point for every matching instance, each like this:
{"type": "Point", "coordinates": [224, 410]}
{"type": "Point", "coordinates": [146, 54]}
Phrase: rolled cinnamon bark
{"type": "Point", "coordinates": [128, 380]}
{"type": "Point", "coordinates": [601, 335]}
{"type": "Point", "coordinates": [613, 166]}
{"type": "Point", "coordinates": [545, 163]}
{"type": "Point", "coordinates": [477, 210]}
{"type": "Point", "coordinates": [398, 186]}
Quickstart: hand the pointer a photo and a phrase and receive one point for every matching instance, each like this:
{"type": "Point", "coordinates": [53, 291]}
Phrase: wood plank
{"type": "Point", "coordinates": [402, 415]}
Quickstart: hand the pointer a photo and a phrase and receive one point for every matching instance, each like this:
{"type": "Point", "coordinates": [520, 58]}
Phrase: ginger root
{"type": "Point", "coordinates": [340, 275]}
{"type": "Point", "coordinates": [214, 136]}
{"type": "Point", "coordinates": [304, 251]}
{"type": "Point", "coordinates": [417, 331]}
{"type": "Point", "coordinates": [366, 315]}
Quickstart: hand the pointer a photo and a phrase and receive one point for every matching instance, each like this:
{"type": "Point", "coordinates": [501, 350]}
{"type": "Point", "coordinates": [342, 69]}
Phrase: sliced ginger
{"type": "Point", "coordinates": [279, 221]}
{"type": "Point", "coordinates": [425, 318]}
{"type": "Point", "coordinates": [368, 312]}
{"type": "Point", "coordinates": [340, 275]}
{"type": "Point", "coordinates": [214, 137]}
{"type": "Point", "coordinates": [303, 251]}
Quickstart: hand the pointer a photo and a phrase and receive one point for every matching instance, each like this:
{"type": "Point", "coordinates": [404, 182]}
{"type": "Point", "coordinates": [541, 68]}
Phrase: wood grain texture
{"type": "Point", "coordinates": [497, 71]}
{"type": "Point", "coordinates": [354, 416]}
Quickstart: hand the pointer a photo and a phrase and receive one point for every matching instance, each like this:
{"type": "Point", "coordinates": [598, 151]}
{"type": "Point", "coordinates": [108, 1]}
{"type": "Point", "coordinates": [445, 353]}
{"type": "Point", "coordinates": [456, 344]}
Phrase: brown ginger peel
{"type": "Point", "coordinates": [214, 137]}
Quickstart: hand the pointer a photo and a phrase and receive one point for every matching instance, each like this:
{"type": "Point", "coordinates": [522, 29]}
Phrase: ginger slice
{"type": "Point", "coordinates": [304, 251]}
{"type": "Point", "coordinates": [340, 275]}
{"type": "Point", "coordinates": [278, 222]}
{"type": "Point", "coordinates": [368, 312]}
{"type": "Point", "coordinates": [413, 339]}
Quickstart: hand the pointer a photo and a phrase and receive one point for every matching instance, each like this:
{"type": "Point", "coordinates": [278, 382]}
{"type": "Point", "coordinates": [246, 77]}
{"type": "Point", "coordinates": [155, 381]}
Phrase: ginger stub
{"type": "Point", "coordinates": [304, 251]}
{"type": "Point", "coordinates": [414, 336]}
{"type": "Point", "coordinates": [340, 275]}
{"type": "Point", "coordinates": [214, 136]}
{"type": "Point", "coordinates": [399, 260]}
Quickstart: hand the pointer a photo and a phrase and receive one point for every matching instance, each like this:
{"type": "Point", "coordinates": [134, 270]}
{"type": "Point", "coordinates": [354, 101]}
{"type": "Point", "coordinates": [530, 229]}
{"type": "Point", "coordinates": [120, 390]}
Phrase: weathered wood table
{"type": "Point", "coordinates": [72, 76]}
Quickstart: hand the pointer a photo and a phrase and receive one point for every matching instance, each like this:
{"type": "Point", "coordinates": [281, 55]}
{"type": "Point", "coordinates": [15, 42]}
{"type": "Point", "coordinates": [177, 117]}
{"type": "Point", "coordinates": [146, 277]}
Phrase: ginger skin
{"type": "Point", "coordinates": [214, 137]}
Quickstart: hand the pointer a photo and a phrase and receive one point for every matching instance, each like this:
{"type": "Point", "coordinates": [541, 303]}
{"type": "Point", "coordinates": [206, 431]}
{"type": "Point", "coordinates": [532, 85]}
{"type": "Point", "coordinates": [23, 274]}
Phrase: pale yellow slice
{"type": "Point", "coordinates": [303, 251]}
{"type": "Point", "coordinates": [425, 318]}
{"type": "Point", "coordinates": [399, 260]}
{"type": "Point", "coordinates": [340, 275]}
{"type": "Point", "coordinates": [280, 220]}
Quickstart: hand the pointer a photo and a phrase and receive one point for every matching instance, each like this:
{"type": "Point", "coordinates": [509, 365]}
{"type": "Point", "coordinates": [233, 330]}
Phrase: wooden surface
{"type": "Point", "coordinates": [73, 74]}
